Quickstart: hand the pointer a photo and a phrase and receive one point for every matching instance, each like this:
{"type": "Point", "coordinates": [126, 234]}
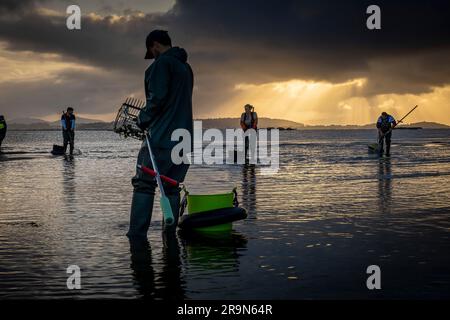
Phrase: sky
{"type": "Point", "coordinates": [313, 62]}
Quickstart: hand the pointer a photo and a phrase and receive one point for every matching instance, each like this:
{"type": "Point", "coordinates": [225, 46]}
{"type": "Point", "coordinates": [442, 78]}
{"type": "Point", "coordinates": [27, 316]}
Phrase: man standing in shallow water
{"type": "Point", "coordinates": [168, 89]}
{"type": "Point", "coordinates": [249, 120]}
{"type": "Point", "coordinates": [68, 128]}
{"type": "Point", "coordinates": [385, 124]}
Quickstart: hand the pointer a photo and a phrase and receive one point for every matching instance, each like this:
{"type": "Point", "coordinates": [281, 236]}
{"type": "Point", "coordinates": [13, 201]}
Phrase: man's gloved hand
{"type": "Point", "coordinates": [140, 125]}
{"type": "Point", "coordinates": [143, 120]}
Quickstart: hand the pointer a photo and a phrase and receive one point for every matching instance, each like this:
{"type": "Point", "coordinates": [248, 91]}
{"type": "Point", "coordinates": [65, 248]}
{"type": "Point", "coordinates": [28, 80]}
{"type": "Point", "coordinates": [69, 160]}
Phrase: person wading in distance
{"type": "Point", "coordinates": [249, 120]}
{"type": "Point", "coordinates": [68, 129]}
{"type": "Point", "coordinates": [385, 124]}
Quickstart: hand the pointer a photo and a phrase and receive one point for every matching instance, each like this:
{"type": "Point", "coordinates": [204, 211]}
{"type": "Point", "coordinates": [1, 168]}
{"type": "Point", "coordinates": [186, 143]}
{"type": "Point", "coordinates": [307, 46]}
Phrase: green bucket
{"type": "Point", "coordinates": [197, 203]}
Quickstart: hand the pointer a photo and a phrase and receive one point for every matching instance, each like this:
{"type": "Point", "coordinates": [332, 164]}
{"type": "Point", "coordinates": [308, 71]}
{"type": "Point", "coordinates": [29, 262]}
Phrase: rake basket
{"type": "Point", "coordinates": [126, 119]}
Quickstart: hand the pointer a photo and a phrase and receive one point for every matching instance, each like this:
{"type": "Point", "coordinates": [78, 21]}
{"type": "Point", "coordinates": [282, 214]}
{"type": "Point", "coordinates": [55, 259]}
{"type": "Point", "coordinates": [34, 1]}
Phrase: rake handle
{"type": "Point", "coordinates": [152, 173]}
{"type": "Point", "coordinates": [401, 120]}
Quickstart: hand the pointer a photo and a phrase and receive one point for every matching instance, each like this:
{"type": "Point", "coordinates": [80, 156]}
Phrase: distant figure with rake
{"type": "Point", "coordinates": [385, 124]}
{"type": "Point", "coordinates": [168, 90]}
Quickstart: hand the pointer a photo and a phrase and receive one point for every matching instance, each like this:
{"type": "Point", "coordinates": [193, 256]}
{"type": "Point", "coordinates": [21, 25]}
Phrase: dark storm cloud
{"type": "Point", "coordinates": [312, 38]}
{"type": "Point", "coordinates": [318, 40]}
{"type": "Point", "coordinates": [260, 41]}
{"type": "Point", "coordinates": [101, 43]}
{"type": "Point", "coordinates": [10, 6]}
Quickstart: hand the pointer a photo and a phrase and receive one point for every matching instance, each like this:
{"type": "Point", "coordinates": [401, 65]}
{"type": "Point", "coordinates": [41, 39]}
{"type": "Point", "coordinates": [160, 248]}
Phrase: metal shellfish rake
{"type": "Point", "coordinates": [125, 123]}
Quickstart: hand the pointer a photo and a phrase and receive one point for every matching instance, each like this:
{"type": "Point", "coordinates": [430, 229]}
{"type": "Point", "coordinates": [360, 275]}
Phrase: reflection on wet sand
{"type": "Point", "coordinates": [5, 157]}
{"type": "Point", "coordinates": [164, 284]}
{"type": "Point", "coordinates": [322, 212]}
{"type": "Point", "coordinates": [385, 186]}
{"type": "Point", "coordinates": [141, 265]}
{"type": "Point", "coordinates": [68, 183]}
{"type": "Point", "coordinates": [207, 252]}
{"type": "Point", "coordinates": [171, 274]}
{"type": "Point", "coordinates": [249, 189]}
{"type": "Point", "coordinates": [19, 155]}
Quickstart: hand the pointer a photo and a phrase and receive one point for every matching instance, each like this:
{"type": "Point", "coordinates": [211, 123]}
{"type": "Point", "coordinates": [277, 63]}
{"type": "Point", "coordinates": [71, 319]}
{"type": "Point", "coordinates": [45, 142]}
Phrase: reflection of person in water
{"type": "Point", "coordinates": [169, 283]}
{"type": "Point", "coordinates": [385, 186]}
{"type": "Point", "coordinates": [68, 183]}
{"type": "Point", "coordinates": [141, 264]}
{"type": "Point", "coordinates": [171, 271]}
{"type": "Point", "coordinates": [249, 189]}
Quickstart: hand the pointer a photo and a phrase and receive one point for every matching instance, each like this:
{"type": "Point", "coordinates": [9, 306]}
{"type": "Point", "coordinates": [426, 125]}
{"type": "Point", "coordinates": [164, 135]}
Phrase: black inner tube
{"type": "Point", "coordinates": [212, 218]}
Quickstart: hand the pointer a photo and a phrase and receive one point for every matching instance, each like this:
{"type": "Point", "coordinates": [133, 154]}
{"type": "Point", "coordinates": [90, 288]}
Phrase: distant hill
{"type": "Point", "coordinates": [26, 121]}
{"type": "Point", "coordinates": [24, 124]}
{"type": "Point", "coordinates": [223, 123]}
{"type": "Point", "coordinates": [427, 125]}
{"type": "Point", "coordinates": [90, 124]}
{"type": "Point", "coordinates": [80, 120]}
{"type": "Point", "coordinates": [421, 125]}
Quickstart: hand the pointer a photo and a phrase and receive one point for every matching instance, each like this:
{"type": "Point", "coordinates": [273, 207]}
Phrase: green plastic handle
{"type": "Point", "coordinates": [167, 211]}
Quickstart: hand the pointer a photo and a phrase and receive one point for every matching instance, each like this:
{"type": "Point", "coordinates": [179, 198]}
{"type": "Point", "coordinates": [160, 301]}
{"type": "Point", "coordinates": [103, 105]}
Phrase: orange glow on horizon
{"type": "Point", "coordinates": [323, 103]}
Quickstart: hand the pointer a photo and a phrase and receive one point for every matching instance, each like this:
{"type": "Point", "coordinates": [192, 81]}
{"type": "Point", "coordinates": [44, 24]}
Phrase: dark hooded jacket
{"type": "Point", "coordinates": [168, 88]}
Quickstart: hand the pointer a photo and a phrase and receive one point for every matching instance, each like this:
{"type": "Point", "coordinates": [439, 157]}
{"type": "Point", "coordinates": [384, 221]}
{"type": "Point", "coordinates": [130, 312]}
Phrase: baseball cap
{"type": "Point", "coordinates": [160, 36]}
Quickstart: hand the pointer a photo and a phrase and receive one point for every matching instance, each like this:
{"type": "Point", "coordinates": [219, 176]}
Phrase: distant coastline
{"type": "Point", "coordinates": [220, 123]}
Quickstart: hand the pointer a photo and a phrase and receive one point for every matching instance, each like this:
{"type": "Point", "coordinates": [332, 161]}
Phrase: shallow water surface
{"type": "Point", "coordinates": [313, 228]}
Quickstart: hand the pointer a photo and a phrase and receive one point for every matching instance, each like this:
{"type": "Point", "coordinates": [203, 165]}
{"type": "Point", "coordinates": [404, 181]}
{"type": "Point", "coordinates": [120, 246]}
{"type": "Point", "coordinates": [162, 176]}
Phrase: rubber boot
{"type": "Point", "coordinates": [141, 214]}
{"type": "Point", "coordinates": [381, 147]}
{"type": "Point", "coordinates": [72, 142]}
{"type": "Point", "coordinates": [174, 200]}
{"type": "Point", "coordinates": [388, 149]}
{"type": "Point", "coordinates": [246, 148]}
